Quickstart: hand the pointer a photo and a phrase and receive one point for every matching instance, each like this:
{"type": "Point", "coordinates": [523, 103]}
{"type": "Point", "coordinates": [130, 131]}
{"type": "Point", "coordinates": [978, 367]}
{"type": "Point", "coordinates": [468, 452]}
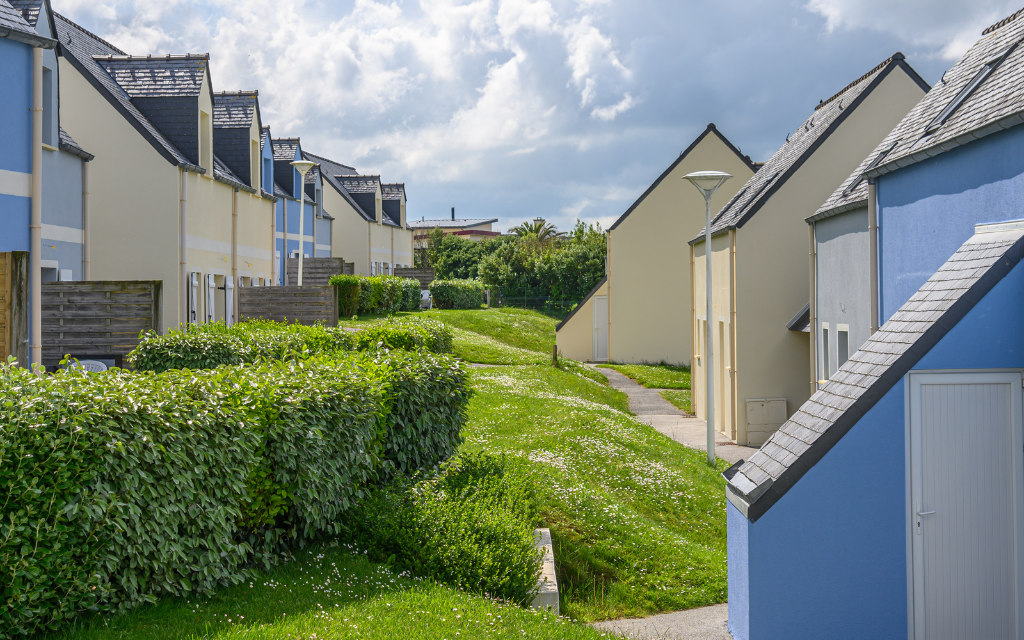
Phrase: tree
{"type": "Point", "coordinates": [539, 228]}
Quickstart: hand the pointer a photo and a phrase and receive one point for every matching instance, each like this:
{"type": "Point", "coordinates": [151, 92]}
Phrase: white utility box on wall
{"type": "Point", "coordinates": [764, 417]}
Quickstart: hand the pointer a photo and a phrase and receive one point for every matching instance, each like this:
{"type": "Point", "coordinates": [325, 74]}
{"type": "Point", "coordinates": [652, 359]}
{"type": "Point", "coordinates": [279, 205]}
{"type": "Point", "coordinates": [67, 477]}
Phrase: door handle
{"type": "Point", "coordinates": [925, 513]}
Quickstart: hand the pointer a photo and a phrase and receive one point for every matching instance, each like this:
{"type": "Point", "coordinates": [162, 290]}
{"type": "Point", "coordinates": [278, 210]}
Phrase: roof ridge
{"type": "Point", "coordinates": [88, 33]}
{"type": "Point", "coordinates": [894, 57]}
{"type": "Point", "coordinates": [124, 57]}
{"type": "Point", "coordinates": [1002, 23]}
{"type": "Point", "coordinates": [253, 92]}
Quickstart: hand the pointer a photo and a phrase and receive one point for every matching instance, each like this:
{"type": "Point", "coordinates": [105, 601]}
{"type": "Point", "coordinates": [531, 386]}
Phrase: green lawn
{"type": "Point", "coordinates": [478, 348]}
{"type": "Point", "coordinates": [638, 520]}
{"type": "Point", "coordinates": [681, 398]}
{"type": "Point", "coordinates": [661, 376]}
{"type": "Point", "coordinates": [328, 593]}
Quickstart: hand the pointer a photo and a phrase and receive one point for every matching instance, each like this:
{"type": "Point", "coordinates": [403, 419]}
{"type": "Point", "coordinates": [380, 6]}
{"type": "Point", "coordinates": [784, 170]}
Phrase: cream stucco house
{"type": "Point", "coordinates": [164, 204]}
{"type": "Point", "coordinates": [640, 312]}
{"type": "Point", "coordinates": [760, 264]}
{"type": "Point", "coordinates": [369, 226]}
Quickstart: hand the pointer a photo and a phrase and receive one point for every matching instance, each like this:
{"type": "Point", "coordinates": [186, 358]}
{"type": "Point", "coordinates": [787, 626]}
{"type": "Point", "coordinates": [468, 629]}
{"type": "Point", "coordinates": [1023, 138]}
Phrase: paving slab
{"type": "Point", "coordinates": [703, 623]}
{"type": "Point", "coordinates": [650, 408]}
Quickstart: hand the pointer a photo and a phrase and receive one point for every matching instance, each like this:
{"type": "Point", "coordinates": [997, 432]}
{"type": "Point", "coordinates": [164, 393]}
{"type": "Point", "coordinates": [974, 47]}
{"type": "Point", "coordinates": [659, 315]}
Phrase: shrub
{"type": "Point", "coordinates": [119, 487]}
{"type": "Point", "coordinates": [471, 526]}
{"type": "Point", "coordinates": [457, 294]}
{"type": "Point", "coordinates": [348, 294]}
{"type": "Point", "coordinates": [410, 334]}
{"type": "Point", "coordinates": [211, 345]}
{"type": "Point", "coordinates": [411, 289]}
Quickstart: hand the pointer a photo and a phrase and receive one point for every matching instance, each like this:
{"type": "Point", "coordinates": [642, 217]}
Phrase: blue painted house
{"type": "Point", "coordinates": [289, 187]}
{"type": "Point", "coordinates": [891, 504]}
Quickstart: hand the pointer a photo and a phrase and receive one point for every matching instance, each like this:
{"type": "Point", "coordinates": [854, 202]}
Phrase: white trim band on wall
{"type": "Point", "coordinates": [15, 183]}
{"type": "Point", "coordinates": [224, 248]}
{"type": "Point", "coordinates": [63, 234]}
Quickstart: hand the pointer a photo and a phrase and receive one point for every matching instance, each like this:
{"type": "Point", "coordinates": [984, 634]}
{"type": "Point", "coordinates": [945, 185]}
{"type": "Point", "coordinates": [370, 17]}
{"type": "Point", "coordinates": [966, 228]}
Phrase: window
{"type": "Point", "coordinates": [268, 175]}
{"type": "Point", "coordinates": [205, 143]}
{"type": "Point", "coordinates": [842, 344]}
{"type": "Point", "coordinates": [254, 164]}
{"type": "Point", "coordinates": [983, 73]}
{"type": "Point", "coordinates": [825, 367]}
{"type": "Point", "coordinates": [874, 163]}
{"type": "Point", "coordinates": [48, 107]}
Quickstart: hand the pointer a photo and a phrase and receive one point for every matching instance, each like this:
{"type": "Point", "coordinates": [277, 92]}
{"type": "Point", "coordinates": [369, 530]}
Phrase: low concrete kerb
{"type": "Point", "coordinates": [547, 583]}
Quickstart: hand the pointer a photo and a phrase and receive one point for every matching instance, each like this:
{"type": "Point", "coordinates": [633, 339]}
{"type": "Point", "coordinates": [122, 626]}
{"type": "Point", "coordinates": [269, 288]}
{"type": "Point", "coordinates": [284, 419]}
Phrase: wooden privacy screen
{"type": "Point", "coordinates": [14, 305]}
{"type": "Point", "coordinates": [305, 305]}
{"type": "Point", "coordinates": [99, 318]}
{"type": "Point", "coordinates": [424, 275]}
{"type": "Point", "coordinates": [315, 271]}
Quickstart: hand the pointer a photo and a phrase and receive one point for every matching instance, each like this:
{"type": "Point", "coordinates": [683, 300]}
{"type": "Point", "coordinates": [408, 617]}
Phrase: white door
{"type": "Point", "coordinates": [600, 328]}
{"type": "Point", "coordinates": [229, 300]}
{"type": "Point", "coordinates": [193, 298]}
{"type": "Point", "coordinates": [966, 491]}
{"type": "Point", "coordinates": [211, 297]}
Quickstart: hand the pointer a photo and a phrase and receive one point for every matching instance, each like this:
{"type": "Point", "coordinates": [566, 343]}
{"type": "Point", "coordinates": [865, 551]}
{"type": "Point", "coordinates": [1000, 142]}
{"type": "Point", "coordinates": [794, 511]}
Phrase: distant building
{"type": "Point", "coordinates": [476, 229]}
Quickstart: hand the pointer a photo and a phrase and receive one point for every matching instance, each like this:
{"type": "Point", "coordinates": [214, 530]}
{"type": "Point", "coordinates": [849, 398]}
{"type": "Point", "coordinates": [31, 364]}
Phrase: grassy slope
{"type": "Point", "coordinates": [638, 520]}
{"type": "Point", "coordinates": [327, 594]}
{"type": "Point", "coordinates": [655, 376]}
{"type": "Point", "coordinates": [681, 398]}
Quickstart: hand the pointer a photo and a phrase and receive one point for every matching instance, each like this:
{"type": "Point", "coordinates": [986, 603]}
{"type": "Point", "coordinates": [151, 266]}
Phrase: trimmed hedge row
{"type": "Point", "coordinates": [406, 333]}
{"type": "Point", "coordinates": [376, 294]}
{"type": "Point", "coordinates": [457, 294]}
{"type": "Point", "coordinates": [119, 487]}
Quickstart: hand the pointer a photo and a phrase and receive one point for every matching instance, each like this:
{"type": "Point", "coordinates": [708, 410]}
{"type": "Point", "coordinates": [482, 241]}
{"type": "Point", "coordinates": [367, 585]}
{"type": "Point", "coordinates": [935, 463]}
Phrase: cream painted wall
{"type": "Point", "coordinates": [254, 219]}
{"type": "Point", "coordinates": [133, 194]}
{"type": "Point", "coordinates": [575, 339]}
{"type": "Point", "coordinates": [649, 275]}
{"type": "Point", "coordinates": [722, 334]}
{"type": "Point", "coordinates": [403, 246]}
{"type": "Point", "coordinates": [380, 243]}
{"type": "Point", "coordinates": [349, 231]}
{"type": "Point", "coordinates": [772, 270]}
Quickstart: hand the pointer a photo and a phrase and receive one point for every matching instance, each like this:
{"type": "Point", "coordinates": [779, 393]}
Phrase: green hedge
{"type": "Point", "coordinates": [471, 526]}
{"type": "Point", "coordinates": [210, 345]}
{"type": "Point", "coordinates": [118, 487]}
{"type": "Point", "coordinates": [457, 294]}
{"type": "Point", "coordinates": [384, 295]}
{"type": "Point", "coordinates": [410, 334]}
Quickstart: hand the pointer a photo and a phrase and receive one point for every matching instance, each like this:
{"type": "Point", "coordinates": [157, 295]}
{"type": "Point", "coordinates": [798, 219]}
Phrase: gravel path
{"type": "Point", "coordinates": [704, 623]}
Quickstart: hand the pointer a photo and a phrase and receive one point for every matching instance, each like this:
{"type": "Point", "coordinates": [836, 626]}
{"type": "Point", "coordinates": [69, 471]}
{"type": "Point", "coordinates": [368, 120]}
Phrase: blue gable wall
{"type": "Point", "coordinates": [929, 209]}
{"type": "Point", "coordinates": [15, 139]}
{"type": "Point", "coordinates": [829, 559]}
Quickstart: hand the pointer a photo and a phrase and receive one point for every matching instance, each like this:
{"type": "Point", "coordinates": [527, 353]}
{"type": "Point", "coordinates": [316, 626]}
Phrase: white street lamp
{"type": "Point", "coordinates": [302, 166]}
{"type": "Point", "coordinates": [708, 182]}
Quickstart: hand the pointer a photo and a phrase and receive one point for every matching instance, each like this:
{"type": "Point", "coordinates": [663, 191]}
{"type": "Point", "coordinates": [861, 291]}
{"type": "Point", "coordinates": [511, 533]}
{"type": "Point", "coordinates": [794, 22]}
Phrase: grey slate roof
{"type": "Point", "coordinates": [360, 184]}
{"type": "Point", "coordinates": [14, 26]}
{"type": "Point", "coordinates": [284, 148]}
{"type": "Point", "coordinates": [997, 104]}
{"type": "Point", "coordinates": [79, 47]}
{"type": "Point", "coordinates": [468, 223]}
{"type": "Point", "coordinates": [157, 76]}
{"type": "Point", "coordinates": [67, 143]}
{"type": "Point", "coordinates": [393, 191]}
{"type": "Point", "coordinates": [800, 145]}
{"type": "Point", "coordinates": [29, 10]}
{"type": "Point", "coordinates": [332, 173]}
{"type": "Point", "coordinates": [234, 109]}
{"type": "Point", "coordinates": [870, 373]}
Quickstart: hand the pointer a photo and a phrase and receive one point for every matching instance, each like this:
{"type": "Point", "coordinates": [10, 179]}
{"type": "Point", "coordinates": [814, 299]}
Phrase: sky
{"type": "Point", "coordinates": [515, 109]}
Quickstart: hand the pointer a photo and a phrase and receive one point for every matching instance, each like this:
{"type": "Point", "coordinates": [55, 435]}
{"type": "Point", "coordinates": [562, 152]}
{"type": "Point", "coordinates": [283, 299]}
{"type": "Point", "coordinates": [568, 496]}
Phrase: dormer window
{"type": "Point", "coordinates": [983, 73]}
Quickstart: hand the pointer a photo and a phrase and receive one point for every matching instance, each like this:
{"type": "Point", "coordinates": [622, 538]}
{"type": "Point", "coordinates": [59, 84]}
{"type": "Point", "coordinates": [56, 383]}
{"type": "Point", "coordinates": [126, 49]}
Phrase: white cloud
{"type": "Point", "coordinates": [952, 26]}
{"type": "Point", "coordinates": [609, 113]}
{"type": "Point", "coordinates": [575, 208]}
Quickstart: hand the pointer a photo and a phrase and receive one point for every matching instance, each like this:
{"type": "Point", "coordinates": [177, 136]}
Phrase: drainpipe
{"type": "Point", "coordinates": [813, 313]}
{"type": "Point", "coordinates": [369, 249]}
{"type": "Point", "coordinates": [183, 245]}
{"type": "Point", "coordinates": [35, 227]}
{"type": "Point", "coordinates": [86, 262]}
{"type": "Point", "coordinates": [284, 251]}
{"type": "Point", "coordinates": [693, 320]}
{"type": "Point", "coordinates": [273, 243]}
{"type": "Point", "coordinates": [234, 252]}
{"type": "Point", "coordinates": [608, 274]}
{"type": "Point", "coordinates": [873, 251]}
{"type": "Point", "coordinates": [733, 384]}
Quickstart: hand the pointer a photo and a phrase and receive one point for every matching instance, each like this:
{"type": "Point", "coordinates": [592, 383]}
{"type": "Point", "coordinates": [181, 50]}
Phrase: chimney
{"type": "Point", "coordinates": [453, 213]}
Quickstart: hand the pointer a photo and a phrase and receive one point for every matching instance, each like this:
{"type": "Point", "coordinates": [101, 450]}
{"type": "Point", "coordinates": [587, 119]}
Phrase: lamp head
{"type": "Point", "coordinates": [707, 182]}
{"type": "Point", "coordinates": [302, 166]}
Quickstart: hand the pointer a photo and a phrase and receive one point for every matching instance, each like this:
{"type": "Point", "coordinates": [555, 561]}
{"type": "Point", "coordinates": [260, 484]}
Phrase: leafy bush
{"type": "Point", "coordinates": [457, 294]}
{"type": "Point", "coordinates": [118, 487]}
{"type": "Point", "coordinates": [410, 334]}
{"type": "Point", "coordinates": [211, 345]}
{"type": "Point", "coordinates": [348, 294]}
{"type": "Point", "coordinates": [471, 526]}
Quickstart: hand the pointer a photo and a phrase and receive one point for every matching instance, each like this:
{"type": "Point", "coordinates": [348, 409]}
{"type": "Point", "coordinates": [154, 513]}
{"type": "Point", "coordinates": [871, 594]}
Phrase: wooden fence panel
{"type": "Point", "coordinates": [424, 275]}
{"type": "Point", "coordinates": [315, 271]}
{"type": "Point", "coordinates": [97, 319]}
{"type": "Point", "coordinates": [306, 305]}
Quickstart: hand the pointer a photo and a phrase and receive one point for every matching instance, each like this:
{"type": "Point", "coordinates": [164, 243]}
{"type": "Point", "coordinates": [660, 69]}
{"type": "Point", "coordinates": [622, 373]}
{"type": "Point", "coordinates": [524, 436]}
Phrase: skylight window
{"type": "Point", "coordinates": [761, 189]}
{"type": "Point", "coordinates": [874, 163]}
{"type": "Point", "coordinates": [961, 97]}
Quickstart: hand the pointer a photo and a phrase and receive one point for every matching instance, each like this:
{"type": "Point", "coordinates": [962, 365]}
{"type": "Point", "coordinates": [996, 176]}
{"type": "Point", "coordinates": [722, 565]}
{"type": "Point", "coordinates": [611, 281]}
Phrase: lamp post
{"type": "Point", "coordinates": [302, 166]}
{"type": "Point", "coordinates": [708, 182]}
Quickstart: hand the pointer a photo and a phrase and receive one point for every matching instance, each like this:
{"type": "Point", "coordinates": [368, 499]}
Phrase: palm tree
{"type": "Point", "coordinates": [540, 228]}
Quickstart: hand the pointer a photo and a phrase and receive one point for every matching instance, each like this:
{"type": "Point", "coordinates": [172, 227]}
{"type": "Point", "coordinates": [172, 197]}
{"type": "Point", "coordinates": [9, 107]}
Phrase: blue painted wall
{"type": "Point", "coordinates": [829, 559]}
{"type": "Point", "coordinates": [293, 228]}
{"type": "Point", "coordinates": [15, 105]}
{"type": "Point", "coordinates": [929, 209]}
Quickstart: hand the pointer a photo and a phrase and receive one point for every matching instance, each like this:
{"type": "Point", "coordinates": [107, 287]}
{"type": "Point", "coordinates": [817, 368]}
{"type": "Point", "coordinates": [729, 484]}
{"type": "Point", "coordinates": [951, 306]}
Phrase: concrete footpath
{"type": "Point", "coordinates": [650, 408]}
{"type": "Point", "coordinates": [704, 623]}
